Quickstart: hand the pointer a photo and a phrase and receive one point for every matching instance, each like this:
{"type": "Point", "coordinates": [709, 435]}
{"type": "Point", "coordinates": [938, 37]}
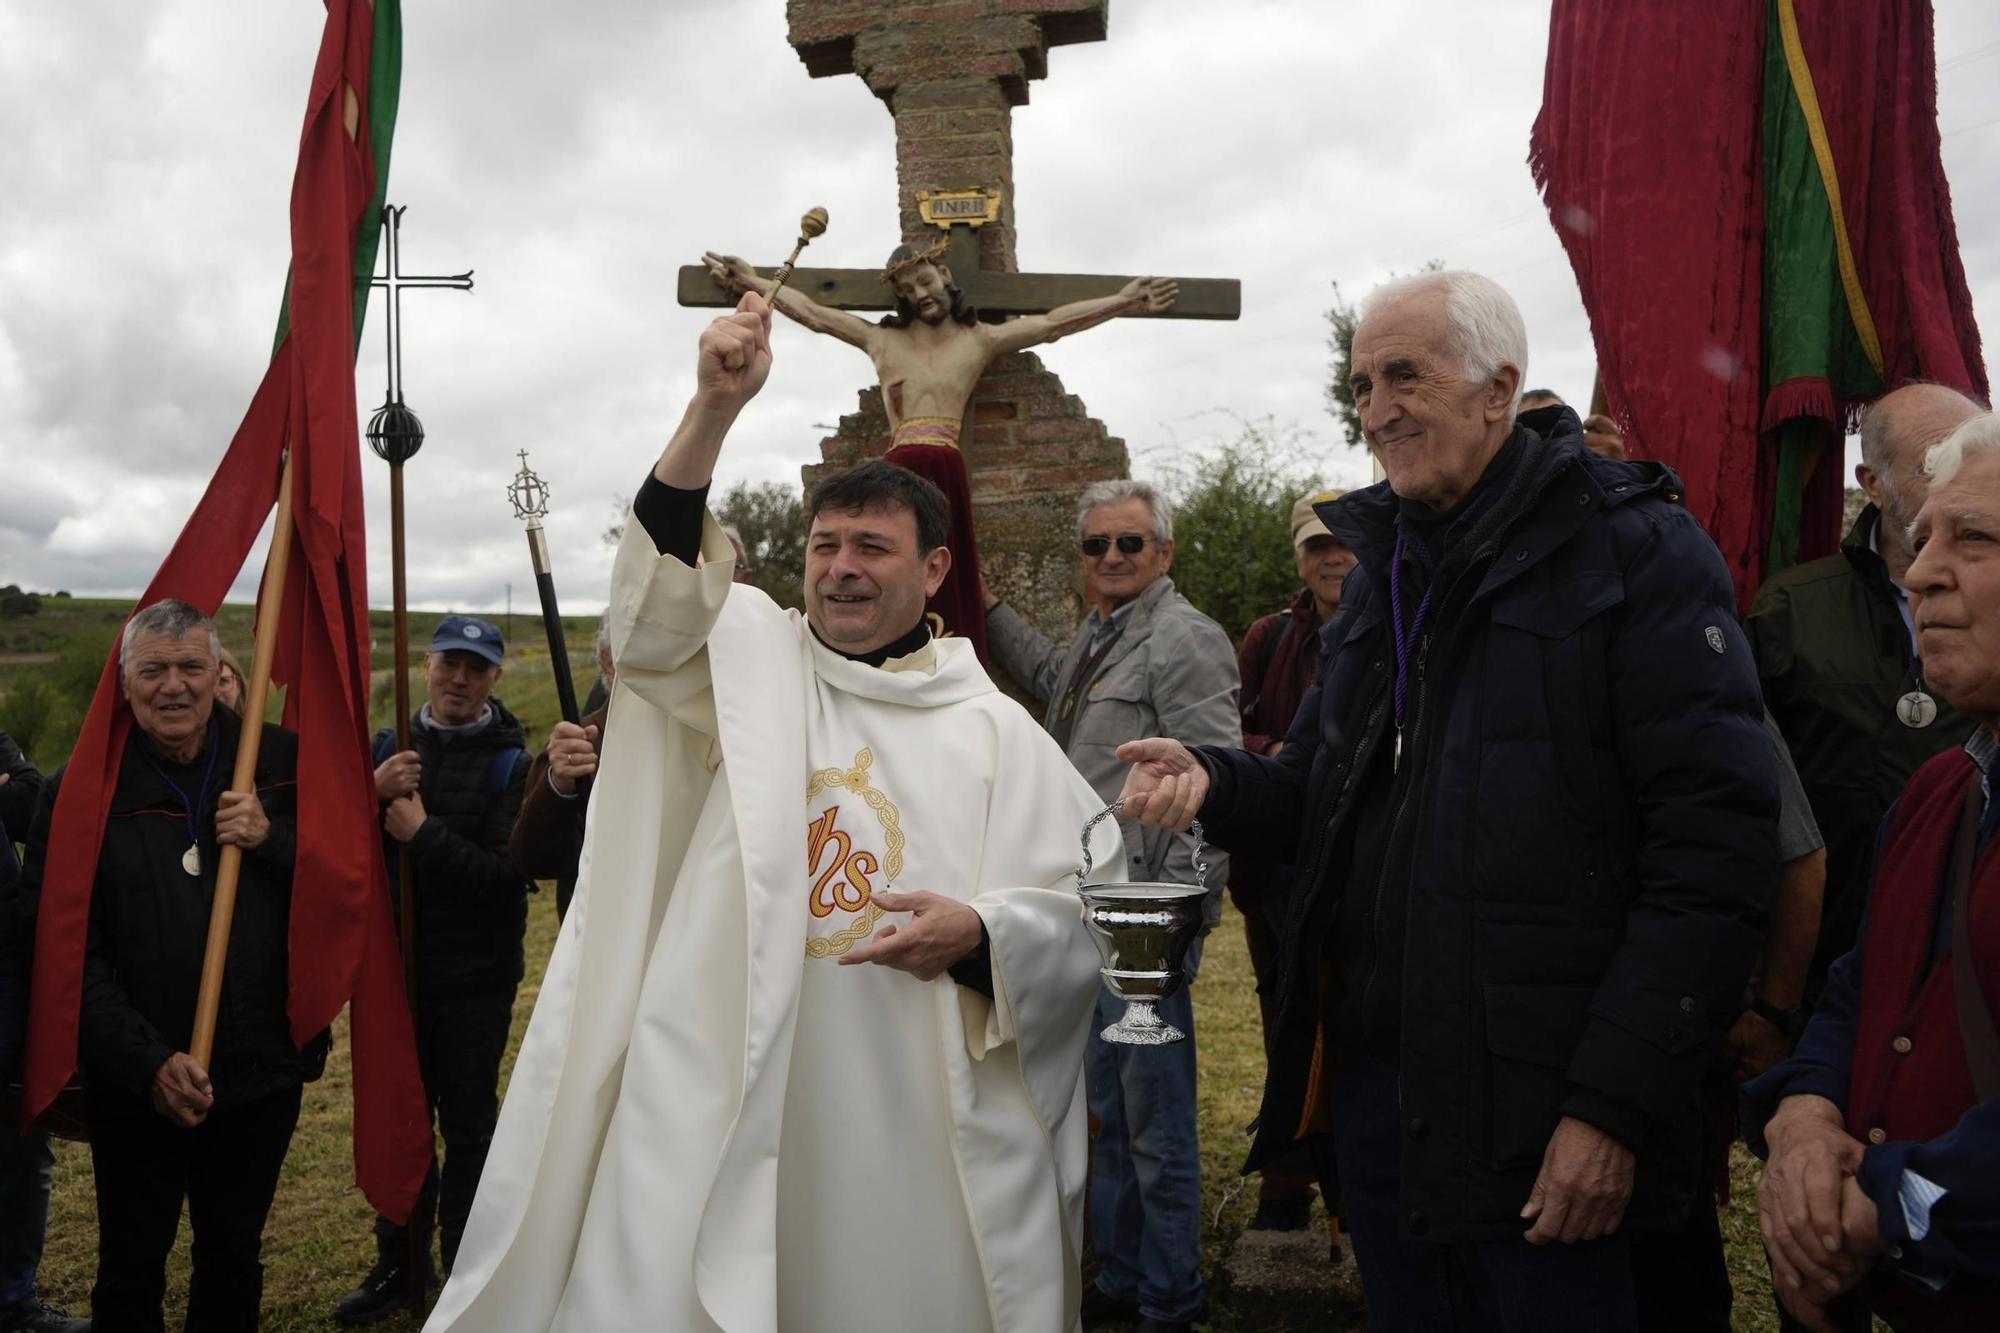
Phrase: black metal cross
{"type": "Point", "coordinates": [394, 280]}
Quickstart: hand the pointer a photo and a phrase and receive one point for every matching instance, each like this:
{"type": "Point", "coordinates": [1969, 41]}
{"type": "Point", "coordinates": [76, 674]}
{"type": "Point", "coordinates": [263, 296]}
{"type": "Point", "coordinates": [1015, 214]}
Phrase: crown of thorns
{"type": "Point", "coordinates": [935, 252]}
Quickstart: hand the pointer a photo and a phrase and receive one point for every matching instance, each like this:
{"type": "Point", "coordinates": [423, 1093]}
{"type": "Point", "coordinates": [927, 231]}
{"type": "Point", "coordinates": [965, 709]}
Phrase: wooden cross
{"type": "Point", "coordinates": [951, 76]}
{"type": "Point", "coordinates": [995, 294]}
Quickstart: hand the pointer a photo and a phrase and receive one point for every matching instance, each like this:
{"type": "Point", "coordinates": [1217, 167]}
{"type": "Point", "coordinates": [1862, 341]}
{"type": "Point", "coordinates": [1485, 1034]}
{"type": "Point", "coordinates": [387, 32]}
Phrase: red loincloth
{"type": "Point", "coordinates": [928, 447]}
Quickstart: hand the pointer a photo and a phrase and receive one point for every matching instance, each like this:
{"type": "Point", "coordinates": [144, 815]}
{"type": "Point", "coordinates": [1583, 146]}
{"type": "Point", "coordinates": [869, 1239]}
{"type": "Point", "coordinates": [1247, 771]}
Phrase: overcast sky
{"type": "Point", "coordinates": [575, 155]}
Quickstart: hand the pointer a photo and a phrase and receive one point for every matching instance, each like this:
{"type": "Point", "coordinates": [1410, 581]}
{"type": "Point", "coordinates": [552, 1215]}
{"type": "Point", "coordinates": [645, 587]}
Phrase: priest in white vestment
{"type": "Point", "coordinates": [808, 1055]}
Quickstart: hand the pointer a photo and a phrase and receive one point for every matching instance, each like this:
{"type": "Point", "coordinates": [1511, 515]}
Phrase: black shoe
{"type": "Point", "coordinates": [40, 1317]}
{"type": "Point", "coordinates": [1101, 1307]}
{"type": "Point", "coordinates": [384, 1292]}
{"type": "Point", "coordinates": [1282, 1215]}
{"type": "Point", "coordinates": [1152, 1325]}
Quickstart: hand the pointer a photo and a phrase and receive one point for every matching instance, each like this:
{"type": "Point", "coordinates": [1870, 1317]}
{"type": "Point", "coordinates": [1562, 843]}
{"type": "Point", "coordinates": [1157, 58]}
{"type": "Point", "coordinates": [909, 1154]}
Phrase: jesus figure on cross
{"type": "Point", "coordinates": [929, 354]}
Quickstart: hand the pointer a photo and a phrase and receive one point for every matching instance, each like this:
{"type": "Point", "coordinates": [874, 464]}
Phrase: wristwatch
{"type": "Point", "coordinates": [1787, 1021]}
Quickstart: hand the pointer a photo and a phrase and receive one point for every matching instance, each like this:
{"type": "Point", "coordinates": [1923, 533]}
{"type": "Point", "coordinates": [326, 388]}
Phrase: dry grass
{"type": "Point", "coordinates": [318, 1242]}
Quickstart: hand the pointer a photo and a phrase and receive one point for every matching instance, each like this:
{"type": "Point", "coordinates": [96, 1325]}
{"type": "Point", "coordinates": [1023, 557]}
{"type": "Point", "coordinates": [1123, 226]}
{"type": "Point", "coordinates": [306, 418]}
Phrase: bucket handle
{"type": "Point", "coordinates": [1083, 871]}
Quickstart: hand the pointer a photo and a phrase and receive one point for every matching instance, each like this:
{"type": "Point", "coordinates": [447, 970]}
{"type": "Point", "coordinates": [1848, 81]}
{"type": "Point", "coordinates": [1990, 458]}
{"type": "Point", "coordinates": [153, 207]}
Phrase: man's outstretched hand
{"type": "Point", "coordinates": [941, 931]}
{"type": "Point", "coordinates": [1167, 783]}
{"type": "Point", "coordinates": [1152, 295]}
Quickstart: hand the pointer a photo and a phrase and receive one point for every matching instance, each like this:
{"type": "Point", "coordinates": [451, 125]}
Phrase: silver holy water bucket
{"type": "Point", "coordinates": [1142, 932]}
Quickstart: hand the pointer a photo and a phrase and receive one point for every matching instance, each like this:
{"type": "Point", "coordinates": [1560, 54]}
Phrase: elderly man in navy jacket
{"type": "Point", "coordinates": [1532, 810]}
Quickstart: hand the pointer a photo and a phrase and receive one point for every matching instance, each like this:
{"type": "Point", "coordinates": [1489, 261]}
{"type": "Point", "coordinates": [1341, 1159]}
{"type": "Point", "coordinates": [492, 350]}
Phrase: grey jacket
{"type": "Point", "coordinates": [1171, 672]}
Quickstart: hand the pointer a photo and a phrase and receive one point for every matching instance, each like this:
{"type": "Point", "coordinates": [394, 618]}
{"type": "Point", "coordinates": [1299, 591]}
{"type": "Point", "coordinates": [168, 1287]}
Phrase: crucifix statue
{"type": "Point", "coordinates": [929, 354]}
{"type": "Point", "coordinates": [958, 312]}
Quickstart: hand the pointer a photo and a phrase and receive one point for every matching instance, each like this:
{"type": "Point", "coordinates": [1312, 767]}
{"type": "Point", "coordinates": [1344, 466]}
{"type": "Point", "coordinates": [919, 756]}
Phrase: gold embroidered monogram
{"type": "Point", "coordinates": [844, 877]}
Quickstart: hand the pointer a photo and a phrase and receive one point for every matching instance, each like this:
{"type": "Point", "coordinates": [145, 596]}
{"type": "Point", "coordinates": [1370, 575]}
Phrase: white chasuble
{"type": "Point", "coordinates": [714, 1124]}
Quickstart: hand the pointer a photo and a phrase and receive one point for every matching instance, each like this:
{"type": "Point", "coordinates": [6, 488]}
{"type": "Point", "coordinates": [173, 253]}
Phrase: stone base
{"type": "Point", "coordinates": [1282, 1282]}
{"type": "Point", "coordinates": [1030, 449]}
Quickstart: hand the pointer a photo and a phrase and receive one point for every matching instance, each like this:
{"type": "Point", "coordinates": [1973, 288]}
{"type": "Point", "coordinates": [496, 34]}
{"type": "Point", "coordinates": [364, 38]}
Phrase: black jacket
{"type": "Point", "coordinates": [472, 905]}
{"type": "Point", "coordinates": [19, 795]}
{"type": "Point", "coordinates": [1587, 825]}
{"type": "Point", "coordinates": [21, 792]}
{"type": "Point", "coordinates": [149, 924]}
{"type": "Point", "coordinates": [1834, 656]}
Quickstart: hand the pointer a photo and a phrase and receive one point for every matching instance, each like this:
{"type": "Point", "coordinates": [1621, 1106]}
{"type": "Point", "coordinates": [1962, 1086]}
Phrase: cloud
{"type": "Point", "coordinates": [576, 156]}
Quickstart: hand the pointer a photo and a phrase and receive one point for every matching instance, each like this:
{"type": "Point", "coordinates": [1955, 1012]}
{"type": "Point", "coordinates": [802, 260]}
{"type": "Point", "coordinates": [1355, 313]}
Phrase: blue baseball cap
{"type": "Point", "coordinates": [468, 634]}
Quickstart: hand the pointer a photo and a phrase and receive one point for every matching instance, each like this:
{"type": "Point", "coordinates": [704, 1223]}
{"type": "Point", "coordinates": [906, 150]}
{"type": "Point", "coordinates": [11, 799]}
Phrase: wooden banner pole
{"type": "Point", "coordinates": [229, 867]}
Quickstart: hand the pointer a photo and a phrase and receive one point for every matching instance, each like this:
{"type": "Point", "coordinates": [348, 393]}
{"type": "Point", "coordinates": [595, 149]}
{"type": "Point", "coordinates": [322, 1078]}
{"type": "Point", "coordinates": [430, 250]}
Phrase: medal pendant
{"type": "Point", "coordinates": [1396, 756]}
{"type": "Point", "coordinates": [1916, 710]}
{"type": "Point", "coordinates": [191, 860]}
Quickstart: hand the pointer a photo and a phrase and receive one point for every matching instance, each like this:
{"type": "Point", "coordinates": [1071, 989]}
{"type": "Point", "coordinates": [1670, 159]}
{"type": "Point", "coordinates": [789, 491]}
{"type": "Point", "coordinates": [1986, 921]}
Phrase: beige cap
{"type": "Point", "coordinates": [1305, 523]}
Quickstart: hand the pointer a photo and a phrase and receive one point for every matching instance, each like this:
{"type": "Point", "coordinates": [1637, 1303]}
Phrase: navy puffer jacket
{"type": "Point", "coordinates": [1590, 836]}
{"type": "Point", "coordinates": [472, 905]}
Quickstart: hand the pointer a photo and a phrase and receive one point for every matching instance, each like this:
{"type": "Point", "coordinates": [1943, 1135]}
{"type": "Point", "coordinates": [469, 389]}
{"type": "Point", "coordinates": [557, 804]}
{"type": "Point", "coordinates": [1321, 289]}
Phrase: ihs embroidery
{"type": "Point", "coordinates": [844, 878]}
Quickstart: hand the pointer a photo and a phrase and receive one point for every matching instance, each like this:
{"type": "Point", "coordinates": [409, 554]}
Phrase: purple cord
{"type": "Point", "coordinates": [1403, 643]}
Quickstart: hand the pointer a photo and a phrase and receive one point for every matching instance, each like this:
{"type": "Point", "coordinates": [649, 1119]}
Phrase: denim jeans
{"type": "Point", "coordinates": [27, 1169]}
{"type": "Point", "coordinates": [1145, 1179]}
{"type": "Point", "coordinates": [1468, 1286]}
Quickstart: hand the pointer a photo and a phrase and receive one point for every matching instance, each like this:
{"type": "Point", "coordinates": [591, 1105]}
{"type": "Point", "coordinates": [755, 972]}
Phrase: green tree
{"type": "Point", "coordinates": [1232, 525]}
{"type": "Point", "coordinates": [1342, 317]}
{"type": "Point", "coordinates": [34, 714]}
{"type": "Point", "coordinates": [770, 517]}
{"type": "Point", "coordinates": [15, 604]}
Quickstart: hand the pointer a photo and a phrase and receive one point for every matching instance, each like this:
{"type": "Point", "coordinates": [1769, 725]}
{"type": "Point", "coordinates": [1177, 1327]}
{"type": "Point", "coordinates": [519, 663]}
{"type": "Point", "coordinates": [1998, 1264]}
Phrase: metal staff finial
{"type": "Point", "coordinates": [530, 498]}
{"type": "Point", "coordinates": [811, 225]}
{"type": "Point", "coordinates": [528, 494]}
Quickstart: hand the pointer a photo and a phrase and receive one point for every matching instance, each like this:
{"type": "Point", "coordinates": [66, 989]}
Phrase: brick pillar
{"type": "Point", "coordinates": [950, 73]}
{"type": "Point", "coordinates": [957, 133]}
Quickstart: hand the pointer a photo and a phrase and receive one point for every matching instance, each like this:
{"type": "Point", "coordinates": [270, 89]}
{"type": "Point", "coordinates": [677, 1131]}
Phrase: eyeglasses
{"type": "Point", "coordinates": [1129, 543]}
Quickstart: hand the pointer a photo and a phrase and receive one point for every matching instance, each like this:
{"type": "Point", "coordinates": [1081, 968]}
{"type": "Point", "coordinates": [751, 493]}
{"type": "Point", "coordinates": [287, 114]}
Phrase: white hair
{"type": "Point", "coordinates": [1485, 322]}
{"type": "Point", "coordinates": [1101, 493]}
{"type": "Point", "coordinates": [173, 618]}
{"type": "Point", "coordinates": [1978, 435]}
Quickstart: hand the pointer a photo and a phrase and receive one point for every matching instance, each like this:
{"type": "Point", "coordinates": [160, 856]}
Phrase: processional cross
{"type": "Point", "coordinates": [393, 280]}
{"type": "Point", "coordinates": [395, 434]}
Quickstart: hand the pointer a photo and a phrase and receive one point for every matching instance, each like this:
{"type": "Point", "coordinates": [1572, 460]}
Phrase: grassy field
{"type": "Point", "coordinates": [318, 1241]}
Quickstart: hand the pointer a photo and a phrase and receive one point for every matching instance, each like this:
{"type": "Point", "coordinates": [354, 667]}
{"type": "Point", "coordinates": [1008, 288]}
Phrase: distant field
{"type": "Point", "coordinates": [59, 653]}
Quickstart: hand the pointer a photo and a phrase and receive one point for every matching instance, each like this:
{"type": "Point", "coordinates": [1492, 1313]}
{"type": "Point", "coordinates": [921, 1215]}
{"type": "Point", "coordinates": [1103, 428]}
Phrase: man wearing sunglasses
{"type": "Point", "coordinates": [1144, 663]}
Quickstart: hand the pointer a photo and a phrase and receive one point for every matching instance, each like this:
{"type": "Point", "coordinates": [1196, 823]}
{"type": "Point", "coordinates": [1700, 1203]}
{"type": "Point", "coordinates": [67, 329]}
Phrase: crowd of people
{"type": "Point", "coordinates": [1557, 877]}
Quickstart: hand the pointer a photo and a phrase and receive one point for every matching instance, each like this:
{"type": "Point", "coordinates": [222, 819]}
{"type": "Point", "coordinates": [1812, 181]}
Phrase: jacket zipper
{"type": "Point", "coordinates": [1419, 715]}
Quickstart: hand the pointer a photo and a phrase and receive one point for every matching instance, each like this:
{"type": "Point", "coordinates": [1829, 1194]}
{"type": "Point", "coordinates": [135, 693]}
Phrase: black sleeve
{"type": "Point", "coordinates": [22, 789]}
{"type": "Point", "coordinates": [1688, 729]}
{"type": "Point", "coordinates": [671, 517]}
{"type": "Point", "coordinates": [975, 970]}
{"type": "Point", "coordinates": [113, 1037]}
